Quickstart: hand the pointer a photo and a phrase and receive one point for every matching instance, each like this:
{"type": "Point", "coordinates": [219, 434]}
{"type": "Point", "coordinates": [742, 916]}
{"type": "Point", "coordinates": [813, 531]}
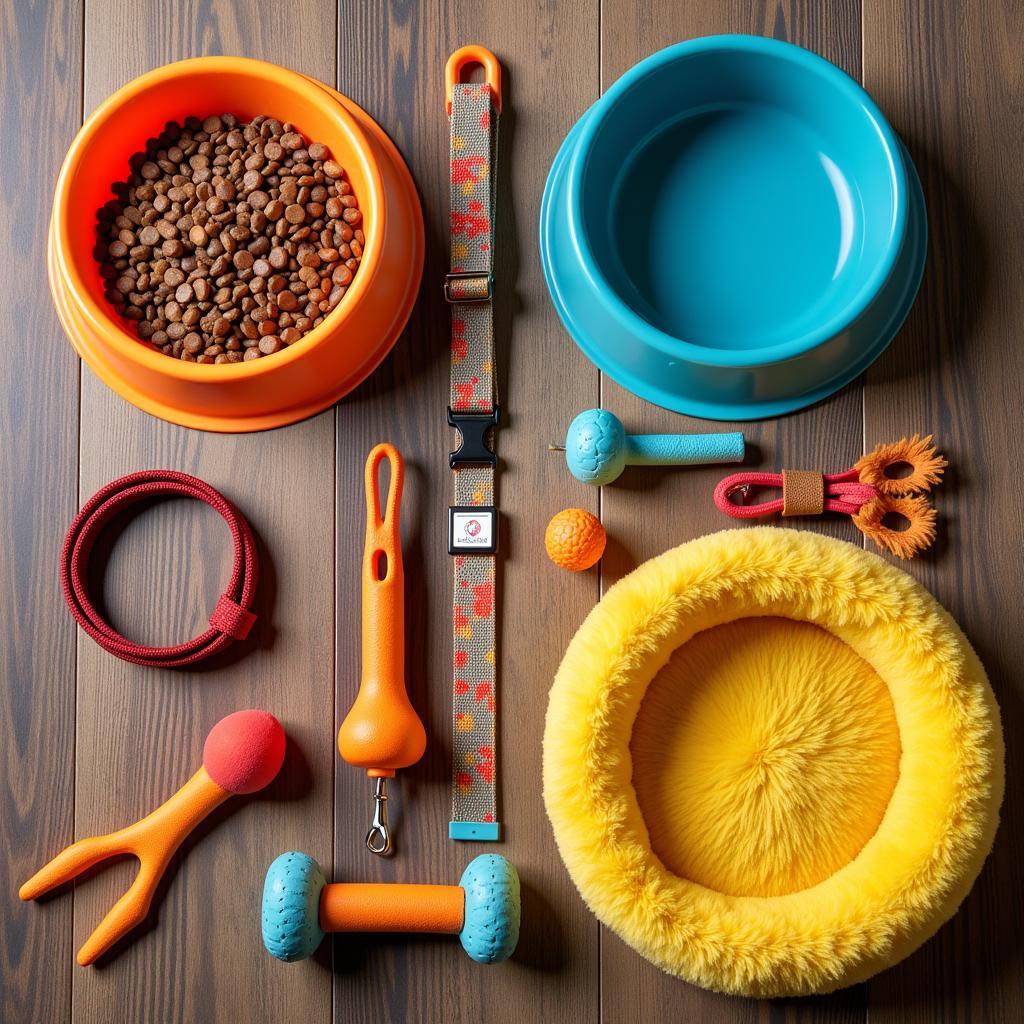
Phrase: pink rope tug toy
{"type": "Point", "coordinates": [867, 492]}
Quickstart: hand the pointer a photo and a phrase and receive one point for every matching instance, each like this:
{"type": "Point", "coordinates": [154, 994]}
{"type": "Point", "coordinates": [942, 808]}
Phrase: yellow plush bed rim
{"type": "Point", "coordinates": [773, 763]}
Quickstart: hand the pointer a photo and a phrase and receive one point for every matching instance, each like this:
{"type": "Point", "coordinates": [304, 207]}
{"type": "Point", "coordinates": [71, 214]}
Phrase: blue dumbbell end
{"type": "Point", "coordinates": [490, 930]}
{"type": "Point", "coordinates": [595, 447]}
{"type": "Point", "coordinates": [291, 907]}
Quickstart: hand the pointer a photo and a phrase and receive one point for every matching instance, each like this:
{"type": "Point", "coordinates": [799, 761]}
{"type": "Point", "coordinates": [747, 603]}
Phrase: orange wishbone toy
{"type": "Point", "coordinates": [243, 753]}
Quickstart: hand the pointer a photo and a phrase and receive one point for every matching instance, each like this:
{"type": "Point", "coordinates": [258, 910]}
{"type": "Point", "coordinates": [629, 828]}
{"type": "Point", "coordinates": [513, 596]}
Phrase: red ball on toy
{"type": "Point", "coordinates": [244, 751]}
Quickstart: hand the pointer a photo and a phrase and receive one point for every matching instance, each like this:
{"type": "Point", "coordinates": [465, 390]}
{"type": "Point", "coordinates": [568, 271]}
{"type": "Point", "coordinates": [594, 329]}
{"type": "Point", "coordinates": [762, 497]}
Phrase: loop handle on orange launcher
{"type": "Point", "coordinates": [465, 57]}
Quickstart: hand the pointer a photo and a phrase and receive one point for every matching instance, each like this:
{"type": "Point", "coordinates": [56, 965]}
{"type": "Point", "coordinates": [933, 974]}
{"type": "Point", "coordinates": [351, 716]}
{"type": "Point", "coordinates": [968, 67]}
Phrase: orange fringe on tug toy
{"type": "Point", "coordinates": [869, 492]}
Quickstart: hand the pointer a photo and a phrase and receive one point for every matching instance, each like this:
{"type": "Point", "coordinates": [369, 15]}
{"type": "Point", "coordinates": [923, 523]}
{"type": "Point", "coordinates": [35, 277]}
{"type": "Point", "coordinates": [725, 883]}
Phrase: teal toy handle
{"type": "Point", "coordinates": [683, 449]}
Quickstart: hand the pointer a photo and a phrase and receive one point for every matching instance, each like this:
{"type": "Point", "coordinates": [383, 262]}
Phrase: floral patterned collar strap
{"type": "Point", "coordinates": [473, 109]}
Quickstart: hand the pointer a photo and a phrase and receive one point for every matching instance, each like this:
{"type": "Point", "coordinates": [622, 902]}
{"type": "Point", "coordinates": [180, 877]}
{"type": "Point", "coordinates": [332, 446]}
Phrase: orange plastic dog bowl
{"type": "Point", "coordinates": [309, 375]}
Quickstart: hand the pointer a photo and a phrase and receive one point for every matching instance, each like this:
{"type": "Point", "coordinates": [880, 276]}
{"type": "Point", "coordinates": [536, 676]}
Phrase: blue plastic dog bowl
{"type": "Point", "coordinates": [733, 230]}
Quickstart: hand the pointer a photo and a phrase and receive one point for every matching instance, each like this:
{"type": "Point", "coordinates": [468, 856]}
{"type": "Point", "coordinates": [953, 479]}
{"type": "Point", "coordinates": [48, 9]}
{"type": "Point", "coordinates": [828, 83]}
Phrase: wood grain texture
{"type": "Point", "coordinates": [140, 732]}
{"type": "Point", "coordinates": [88, 743]}
{"type": "Point", "coordinates": [950, 78]}
{"type": "Point", "coordinates": [648, 511]}
{"type": "Point", "coordinates": [548, 53]}
{"type": "Point", "coordinates": [38, 467]}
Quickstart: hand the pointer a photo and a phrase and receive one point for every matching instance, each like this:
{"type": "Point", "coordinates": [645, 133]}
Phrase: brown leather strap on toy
{"type": "Point", "coordinates": [803, 492]}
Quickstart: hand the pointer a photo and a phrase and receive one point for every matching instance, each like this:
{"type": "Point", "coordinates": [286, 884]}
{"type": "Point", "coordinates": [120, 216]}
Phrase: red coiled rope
{"type": "Point", "coordinates": [231, 619]}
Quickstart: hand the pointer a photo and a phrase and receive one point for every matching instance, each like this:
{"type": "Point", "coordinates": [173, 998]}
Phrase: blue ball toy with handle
{"type": "Point", "coordinates": [598, 449]}
{"type": "Point", "coordinates": [300, 906]}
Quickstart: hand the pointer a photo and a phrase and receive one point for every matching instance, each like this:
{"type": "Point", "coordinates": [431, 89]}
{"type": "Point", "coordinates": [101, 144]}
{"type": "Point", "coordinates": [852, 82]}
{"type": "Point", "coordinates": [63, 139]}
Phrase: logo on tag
{"type": "Point", "coordinates": [472, 530]}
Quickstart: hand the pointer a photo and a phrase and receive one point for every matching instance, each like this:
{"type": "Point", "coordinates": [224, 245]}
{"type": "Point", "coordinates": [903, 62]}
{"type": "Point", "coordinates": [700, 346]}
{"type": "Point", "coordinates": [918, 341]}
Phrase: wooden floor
{"type": "Point", "coordinates": [88, 743]}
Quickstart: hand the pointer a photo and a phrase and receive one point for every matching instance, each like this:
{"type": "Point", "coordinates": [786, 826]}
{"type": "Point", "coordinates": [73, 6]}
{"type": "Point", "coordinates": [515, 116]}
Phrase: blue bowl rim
{"type": "Point", "coordinates": [638, 326]}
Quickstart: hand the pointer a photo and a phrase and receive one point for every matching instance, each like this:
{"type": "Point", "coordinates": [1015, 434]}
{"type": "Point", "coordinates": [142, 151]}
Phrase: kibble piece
{"type": "Point", "coordinates": [333, 169]}
{"type": "Point", "coordinates": [212, 125]}
{"type": "Point", "coordinates": [270, 344]}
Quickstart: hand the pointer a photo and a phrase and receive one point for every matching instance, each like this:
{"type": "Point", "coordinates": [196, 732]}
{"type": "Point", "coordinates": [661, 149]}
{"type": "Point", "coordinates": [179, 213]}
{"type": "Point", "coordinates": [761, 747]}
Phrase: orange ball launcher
{"type": "Point", "coordinates": [382, 732]}
{"type": "Point", "coordinates": [242, 754]}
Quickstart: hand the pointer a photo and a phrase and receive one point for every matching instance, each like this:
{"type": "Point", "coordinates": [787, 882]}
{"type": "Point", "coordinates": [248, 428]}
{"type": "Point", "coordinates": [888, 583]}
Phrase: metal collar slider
{"type": "Point", "coordinates": [468, 286]}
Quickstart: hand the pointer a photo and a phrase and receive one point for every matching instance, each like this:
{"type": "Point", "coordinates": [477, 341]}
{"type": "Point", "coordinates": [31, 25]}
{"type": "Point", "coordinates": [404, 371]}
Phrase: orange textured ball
{"type": "Point", "coordinates": [575, 539]}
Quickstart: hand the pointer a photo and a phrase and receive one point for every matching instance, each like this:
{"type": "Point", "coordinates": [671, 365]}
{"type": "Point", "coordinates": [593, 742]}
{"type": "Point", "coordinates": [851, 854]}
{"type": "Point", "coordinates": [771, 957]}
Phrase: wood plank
{"type": "Point", "coordinates": [949, 77]}
{"type": "Point", "coordinates": [141, 731]}
{"type": "Point", "coordinates": [41, 107]}
{"type": "Point", "coordinates": [648, 511]}
{"type": "Point", "coordinates": [550, 75]}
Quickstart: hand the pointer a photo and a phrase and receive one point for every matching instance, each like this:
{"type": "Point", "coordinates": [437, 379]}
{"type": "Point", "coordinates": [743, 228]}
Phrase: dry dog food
{"type": "Point", "coordinates": [228, 241]}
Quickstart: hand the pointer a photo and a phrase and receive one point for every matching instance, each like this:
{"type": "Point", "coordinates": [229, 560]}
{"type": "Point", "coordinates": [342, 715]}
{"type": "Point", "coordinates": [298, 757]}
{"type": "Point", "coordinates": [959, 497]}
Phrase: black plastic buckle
{"type": "Point", "coordinates": [472, 529]}
{"type": "Point", "coordinates": [473, 428]}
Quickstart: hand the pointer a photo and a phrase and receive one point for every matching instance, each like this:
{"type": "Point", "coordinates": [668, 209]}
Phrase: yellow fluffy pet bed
{"type": "Point", "coordinates": [773, 763]}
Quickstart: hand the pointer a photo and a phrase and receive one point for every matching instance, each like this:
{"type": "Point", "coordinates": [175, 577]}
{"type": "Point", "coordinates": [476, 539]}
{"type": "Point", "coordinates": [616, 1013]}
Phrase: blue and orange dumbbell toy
{"type": "Point", "coordinates": [299, 907]}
